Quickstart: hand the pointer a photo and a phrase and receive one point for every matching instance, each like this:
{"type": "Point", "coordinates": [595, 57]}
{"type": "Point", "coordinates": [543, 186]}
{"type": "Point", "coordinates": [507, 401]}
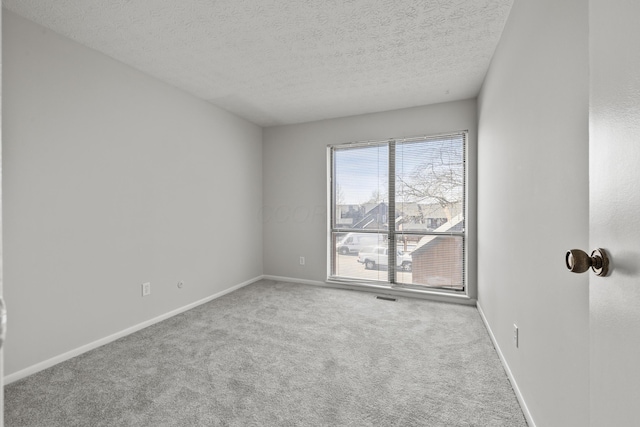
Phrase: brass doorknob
{"type": "Point", "coordinates": [578, 261]}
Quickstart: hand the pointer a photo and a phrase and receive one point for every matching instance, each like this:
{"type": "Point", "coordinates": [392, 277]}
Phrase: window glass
{"type": "Point", "coordinates": [419, 212]}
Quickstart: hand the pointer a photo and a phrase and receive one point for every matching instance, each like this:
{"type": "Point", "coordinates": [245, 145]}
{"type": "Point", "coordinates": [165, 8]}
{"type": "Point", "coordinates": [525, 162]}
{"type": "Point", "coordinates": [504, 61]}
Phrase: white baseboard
{"type": "Point", "coordinates": [514, 384]}
{"type": "Point", "coordinates": [98, 343]}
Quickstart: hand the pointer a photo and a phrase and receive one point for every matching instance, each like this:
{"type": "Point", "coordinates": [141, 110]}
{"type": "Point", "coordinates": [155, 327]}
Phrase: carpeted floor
{"type": "Point", "coordinates": [279, 354]}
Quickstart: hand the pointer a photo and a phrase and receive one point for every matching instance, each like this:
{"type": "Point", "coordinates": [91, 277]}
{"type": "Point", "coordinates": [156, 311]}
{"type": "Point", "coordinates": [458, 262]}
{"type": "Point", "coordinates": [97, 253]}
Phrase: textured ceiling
{"type": "Point", "coordinates": [289, 61]}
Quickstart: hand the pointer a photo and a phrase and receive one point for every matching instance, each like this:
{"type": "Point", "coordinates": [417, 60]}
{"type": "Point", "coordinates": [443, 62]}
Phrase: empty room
{"type": "Point", "coordinates": [320, 213]}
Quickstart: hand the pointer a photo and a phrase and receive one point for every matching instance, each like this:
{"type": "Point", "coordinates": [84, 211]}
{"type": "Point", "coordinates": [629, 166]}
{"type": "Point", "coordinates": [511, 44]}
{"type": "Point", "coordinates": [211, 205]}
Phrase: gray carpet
{"type": "Point", "coordinates": [278, 354]}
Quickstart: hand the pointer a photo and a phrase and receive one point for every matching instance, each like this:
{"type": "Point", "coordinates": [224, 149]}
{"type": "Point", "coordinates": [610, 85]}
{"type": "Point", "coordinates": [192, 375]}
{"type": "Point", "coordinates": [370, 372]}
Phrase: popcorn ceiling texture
{"type": "Point", "coordinates": [290, 61]}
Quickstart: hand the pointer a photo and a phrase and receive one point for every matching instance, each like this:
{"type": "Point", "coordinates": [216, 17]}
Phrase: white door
{"type": "Point", "coordinates": [614, 181]}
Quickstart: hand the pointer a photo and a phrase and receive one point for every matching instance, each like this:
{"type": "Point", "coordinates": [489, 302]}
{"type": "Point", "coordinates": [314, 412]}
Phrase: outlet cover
{"type": "Point", "coordinates": [146, 289]}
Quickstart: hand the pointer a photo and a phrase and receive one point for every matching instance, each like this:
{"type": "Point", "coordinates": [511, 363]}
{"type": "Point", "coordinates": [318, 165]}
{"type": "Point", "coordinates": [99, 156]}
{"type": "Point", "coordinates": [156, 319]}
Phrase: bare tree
{"type": "Point", "coordinates": [439, 180]}
{"type": "Point", "coordinates": [377, 197]}
{"type": "Point", "coordinates": [339, 195]}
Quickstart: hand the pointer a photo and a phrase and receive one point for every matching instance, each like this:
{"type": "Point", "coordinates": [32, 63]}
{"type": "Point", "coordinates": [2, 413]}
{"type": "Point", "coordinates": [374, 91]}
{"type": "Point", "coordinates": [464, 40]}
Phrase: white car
{"type": "Point", "coordinates": [352, 243]}
{"type": "Point", "coordinates": [378, 256]}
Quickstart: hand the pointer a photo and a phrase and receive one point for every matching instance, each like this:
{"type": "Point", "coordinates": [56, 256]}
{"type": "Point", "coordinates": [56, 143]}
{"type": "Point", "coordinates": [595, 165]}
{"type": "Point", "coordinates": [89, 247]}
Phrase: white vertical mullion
{"type": "Point", "coordinates": [391, 216]}
{"type": "Point", "coordinates": [330, 212]}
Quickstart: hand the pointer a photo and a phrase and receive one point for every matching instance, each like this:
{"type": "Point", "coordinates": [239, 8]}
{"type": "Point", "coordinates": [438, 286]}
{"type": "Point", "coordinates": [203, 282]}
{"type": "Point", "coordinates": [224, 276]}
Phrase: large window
{"type": "Point", "coordinates": [397, 212]}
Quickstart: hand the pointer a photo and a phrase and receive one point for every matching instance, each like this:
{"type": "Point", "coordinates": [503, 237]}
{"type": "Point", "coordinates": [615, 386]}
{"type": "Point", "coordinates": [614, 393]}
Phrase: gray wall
{"type": "Point", "coordinates": [533, 205]}
{"type": "Point", "coordinates": [112, 179]}
{"type": "Point", "coordinates": [295, 178]}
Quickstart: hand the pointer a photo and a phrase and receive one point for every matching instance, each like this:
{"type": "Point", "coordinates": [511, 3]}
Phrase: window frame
{"type": "Point", "coordinates": [393, 233]}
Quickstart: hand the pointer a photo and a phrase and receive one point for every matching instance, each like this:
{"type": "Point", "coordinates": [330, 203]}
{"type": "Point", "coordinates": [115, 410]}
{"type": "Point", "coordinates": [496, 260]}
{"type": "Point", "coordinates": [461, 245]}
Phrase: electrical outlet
{"type": "Point", "coordinates": [301, 260]}
{"type": "Point", "coordinates": [515, 335]}
{"type": "Point", "coordinates": [146, 289]}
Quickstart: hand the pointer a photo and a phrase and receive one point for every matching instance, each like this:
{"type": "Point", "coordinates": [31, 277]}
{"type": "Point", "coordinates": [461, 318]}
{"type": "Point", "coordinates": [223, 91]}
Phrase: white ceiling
{"type": "Point", "coordinates": [290, 61]}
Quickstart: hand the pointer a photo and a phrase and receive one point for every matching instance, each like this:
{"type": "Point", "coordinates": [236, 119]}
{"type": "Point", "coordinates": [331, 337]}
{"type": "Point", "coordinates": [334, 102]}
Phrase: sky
{"type": "Point", "coordinates": [362, 170]}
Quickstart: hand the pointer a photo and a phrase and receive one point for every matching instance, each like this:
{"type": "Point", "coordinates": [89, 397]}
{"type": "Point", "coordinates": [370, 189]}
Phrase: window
{"type": "Point", "coordinates": [397, 212]}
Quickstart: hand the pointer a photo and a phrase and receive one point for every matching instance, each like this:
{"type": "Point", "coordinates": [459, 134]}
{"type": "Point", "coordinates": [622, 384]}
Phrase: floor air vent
{"type": "Point", "coordinates": [386, 298]}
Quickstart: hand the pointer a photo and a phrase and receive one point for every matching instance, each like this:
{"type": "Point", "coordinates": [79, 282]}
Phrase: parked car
{"type": "Point", "coordinates": [378, 256]}
{"type": "Point", "coordinates": [352, 243]}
